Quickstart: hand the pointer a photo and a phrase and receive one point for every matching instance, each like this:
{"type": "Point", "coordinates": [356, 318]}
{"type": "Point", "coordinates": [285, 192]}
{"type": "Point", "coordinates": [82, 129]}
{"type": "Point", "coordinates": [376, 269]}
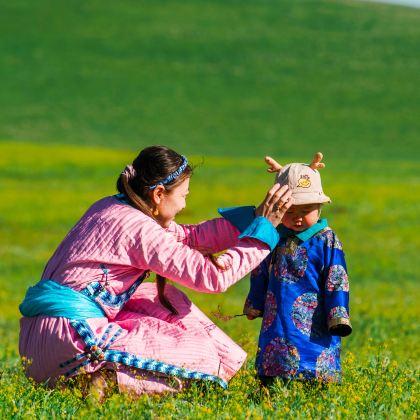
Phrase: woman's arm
{"type": "Point", "coordinates": [207, 237]}
{"type": "Point", "coordinates": [217, 235]}
{"type": "Point", "coordinates": [158, 250]}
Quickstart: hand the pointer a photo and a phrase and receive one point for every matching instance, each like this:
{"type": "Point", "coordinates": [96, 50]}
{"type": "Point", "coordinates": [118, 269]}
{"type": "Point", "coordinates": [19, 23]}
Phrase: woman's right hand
{"type": "Point", "coordinates": [276, 203]}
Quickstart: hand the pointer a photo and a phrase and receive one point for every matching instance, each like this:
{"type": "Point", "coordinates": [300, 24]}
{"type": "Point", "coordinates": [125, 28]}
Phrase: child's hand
{"type": "Point", "coordinates": [252, 313]}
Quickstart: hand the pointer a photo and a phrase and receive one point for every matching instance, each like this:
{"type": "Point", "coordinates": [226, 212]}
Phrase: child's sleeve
{"type": "Point", "coordinates": [336, 289]}
{"type": "Point", "coordinates": [259, 283]}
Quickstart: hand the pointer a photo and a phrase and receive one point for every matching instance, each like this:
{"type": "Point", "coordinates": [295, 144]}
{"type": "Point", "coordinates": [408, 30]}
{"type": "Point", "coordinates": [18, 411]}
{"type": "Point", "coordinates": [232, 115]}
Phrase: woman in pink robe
{"type": "Point", "coordinates": [152, 338]}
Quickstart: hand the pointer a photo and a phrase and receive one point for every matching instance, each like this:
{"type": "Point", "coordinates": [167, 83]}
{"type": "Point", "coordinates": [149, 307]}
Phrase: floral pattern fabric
{"type": "Point", "coordinates": [270, 311]}
{"type": "Point", "coordinates": [280, 358]}
{"type": "Point", "coordinates": [327, 364]}
{"type": "Point", "coordinates": [291, 262]}
{"type": "Point", "coordinates": [305, 316]}
{"type": "Point", "coordinates": [337, 279]}
{"type": "Point", "coordinates": [330, 238]}
{"type": "Point", "coordinates": [337, 313]}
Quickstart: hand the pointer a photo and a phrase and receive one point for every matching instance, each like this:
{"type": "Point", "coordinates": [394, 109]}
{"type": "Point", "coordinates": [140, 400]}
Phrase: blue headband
{"type": "Point", "coordinates": [173, 175]}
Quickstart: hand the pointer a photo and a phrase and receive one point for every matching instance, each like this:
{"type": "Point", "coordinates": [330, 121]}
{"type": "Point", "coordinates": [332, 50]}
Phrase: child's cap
{"type": "Point", "coordinates": [304, 181]}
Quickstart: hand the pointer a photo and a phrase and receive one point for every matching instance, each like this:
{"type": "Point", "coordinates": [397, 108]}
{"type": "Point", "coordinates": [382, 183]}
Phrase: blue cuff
{"type": "Point", "coordinates": [240, 217]}
{"type": "Point", "coordinates": [262, 229]}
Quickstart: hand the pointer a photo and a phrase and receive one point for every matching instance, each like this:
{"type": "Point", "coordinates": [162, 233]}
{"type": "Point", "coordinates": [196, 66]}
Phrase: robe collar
{"type": "Point", "coordinates": [285, 232]}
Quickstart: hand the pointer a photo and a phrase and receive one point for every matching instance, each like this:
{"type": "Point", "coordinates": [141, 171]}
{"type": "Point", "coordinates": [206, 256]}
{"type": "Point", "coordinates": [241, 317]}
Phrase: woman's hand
{"type": "Point", "coordinates": [276, 203]}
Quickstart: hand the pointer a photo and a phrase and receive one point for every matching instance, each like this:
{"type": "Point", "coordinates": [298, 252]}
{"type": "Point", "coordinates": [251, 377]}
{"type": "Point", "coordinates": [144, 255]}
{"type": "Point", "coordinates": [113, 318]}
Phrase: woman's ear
{"type": "Point", "coordinates": [157, 194]}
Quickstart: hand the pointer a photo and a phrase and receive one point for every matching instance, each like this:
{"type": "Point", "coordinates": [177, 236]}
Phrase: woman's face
{"type": "Point", "coordinates": [301, 217]}
{"type": "Point", "coordinates": [171, 203]}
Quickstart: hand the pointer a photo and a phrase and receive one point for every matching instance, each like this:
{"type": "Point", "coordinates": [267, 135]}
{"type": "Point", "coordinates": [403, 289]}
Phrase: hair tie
{"type": "Point", "coordinates": [129, 172]}
{"type": "Point", "coordinates": [172, 175]}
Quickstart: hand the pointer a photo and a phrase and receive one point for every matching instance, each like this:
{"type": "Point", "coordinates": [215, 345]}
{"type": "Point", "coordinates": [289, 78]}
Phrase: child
{"type": "Point", "coordinates": [301, 289]}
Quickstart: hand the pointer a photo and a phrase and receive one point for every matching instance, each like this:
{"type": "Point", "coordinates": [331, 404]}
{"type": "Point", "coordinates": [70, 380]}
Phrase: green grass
{"type": "Point", "coordinates": [84, 84]}
{"type": "Point", "coordinates": [220, 78]}
{"type": "Point", "coordinates": [374, 211]}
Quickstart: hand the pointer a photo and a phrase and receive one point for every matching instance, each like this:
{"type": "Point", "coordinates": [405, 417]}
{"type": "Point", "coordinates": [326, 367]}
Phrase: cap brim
{"type": "Point", "coordinates": [300, 199]}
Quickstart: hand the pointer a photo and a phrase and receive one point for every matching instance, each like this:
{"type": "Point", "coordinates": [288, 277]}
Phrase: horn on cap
{"type": "Point", "coordinates": [316, 161]}
{"type": "Point", "coordinates": [274, 166]}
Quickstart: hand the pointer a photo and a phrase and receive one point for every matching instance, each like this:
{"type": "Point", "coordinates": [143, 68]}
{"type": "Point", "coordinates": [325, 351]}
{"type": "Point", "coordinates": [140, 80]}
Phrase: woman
{"type": "Point", "coordinates": [91, 313]}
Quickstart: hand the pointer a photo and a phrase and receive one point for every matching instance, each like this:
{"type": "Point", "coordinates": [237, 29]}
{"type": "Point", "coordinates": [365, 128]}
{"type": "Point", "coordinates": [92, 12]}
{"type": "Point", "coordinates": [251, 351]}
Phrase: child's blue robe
{"type": "Point", "coordinates": [302, 288]}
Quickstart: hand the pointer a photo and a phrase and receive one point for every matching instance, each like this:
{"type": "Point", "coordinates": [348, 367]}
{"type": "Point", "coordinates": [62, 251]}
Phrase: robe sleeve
{"type": "Point", "coordinates": [158, 250]}
{"type": "Point", "coordinates": [208, 237]}
{"type": "Point", "coordinates": [258, 286]}
{"type": "Point", "coordinates": [337, 290]}
{"type": "Point", "coordinates": [215, 235]}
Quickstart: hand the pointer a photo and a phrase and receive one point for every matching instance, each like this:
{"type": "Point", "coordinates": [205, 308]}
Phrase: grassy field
{"type": "Point", "coordinates": [207, 77]}
{"type": "Point", "coordinates": [46, 193]}
{"type": "Point", "coordinates": [224, 82]}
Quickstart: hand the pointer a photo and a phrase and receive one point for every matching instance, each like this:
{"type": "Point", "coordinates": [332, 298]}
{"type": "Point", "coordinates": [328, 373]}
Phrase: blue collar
{"type": "Point", "coordinates": [122, 198]}
{"type": "Point", "coordinates": [306, 234]}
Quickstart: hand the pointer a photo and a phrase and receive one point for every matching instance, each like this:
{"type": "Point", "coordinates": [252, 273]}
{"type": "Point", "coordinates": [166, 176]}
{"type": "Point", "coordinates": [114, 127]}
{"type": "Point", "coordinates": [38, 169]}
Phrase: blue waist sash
{"type": "Point", "coordinates": [52, 299]}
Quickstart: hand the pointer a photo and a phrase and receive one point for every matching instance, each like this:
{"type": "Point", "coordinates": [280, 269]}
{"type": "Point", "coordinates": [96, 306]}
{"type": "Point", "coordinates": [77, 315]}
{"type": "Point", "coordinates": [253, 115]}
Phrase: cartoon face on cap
{"type": "Point", "coordinates": [304, 181]}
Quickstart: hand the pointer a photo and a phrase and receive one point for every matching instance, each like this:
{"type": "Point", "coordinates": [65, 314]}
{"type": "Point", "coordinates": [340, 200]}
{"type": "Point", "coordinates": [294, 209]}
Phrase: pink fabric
{"type": "Point", "coordinates": [129, 243]}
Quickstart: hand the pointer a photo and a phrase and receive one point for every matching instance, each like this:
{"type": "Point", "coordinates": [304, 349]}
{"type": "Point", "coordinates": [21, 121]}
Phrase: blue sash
{"type": "Point", "coordinates": [52, 299]}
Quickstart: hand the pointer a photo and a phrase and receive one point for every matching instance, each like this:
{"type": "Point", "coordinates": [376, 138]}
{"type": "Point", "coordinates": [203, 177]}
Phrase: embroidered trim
{"type": "Point", "coordinates": [97, 292]}
{"type": "Point", "coordinates": [130, 359]}
{"type": "Point", "coordinates": [335, 322]}
{"type": "Point", "coordinates": [338, 316]}
{"type": "Point", "coordinates": [338, 312]}
{"type": "Point", "coordinates": [95, 352]}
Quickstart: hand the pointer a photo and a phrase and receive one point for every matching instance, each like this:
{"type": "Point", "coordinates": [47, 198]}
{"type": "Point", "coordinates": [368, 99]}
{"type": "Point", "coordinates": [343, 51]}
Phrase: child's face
{"type": "Point", "coordinates": [301, 217]}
